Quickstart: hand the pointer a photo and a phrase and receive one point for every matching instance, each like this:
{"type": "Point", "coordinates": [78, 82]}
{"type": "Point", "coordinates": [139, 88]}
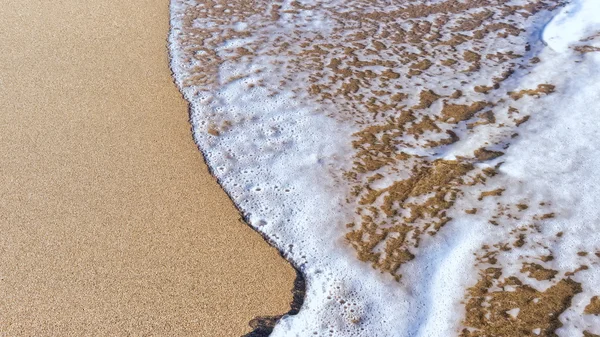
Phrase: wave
{"type": "Point", "coordinates": [427, 165]}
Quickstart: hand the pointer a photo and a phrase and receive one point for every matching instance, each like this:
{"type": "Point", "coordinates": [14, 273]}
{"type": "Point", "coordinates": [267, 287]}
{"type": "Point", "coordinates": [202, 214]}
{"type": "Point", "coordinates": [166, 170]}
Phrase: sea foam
{"type": "Point", "coordinates": [428, 166]}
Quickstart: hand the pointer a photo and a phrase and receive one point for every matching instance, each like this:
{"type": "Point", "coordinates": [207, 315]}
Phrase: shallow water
{"type": "Point", "coordinates": [421, 162]}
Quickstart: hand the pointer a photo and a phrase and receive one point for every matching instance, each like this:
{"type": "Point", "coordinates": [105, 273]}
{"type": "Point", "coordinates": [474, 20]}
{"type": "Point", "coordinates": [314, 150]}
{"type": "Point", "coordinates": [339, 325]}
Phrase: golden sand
{"type": "Point", "coordinates": [488, 311]}
{"type": "Point", "coordinates": [110, 222]}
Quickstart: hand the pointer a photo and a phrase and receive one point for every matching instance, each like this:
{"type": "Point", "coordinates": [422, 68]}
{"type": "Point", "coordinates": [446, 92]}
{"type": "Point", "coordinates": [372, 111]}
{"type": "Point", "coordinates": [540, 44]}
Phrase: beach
{"type": "Point", "coordinates": [111, 223]}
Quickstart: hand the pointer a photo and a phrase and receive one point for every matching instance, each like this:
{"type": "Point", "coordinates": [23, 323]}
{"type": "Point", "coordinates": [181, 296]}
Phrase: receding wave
{"type": "Point", "coordinates": [429, 166]}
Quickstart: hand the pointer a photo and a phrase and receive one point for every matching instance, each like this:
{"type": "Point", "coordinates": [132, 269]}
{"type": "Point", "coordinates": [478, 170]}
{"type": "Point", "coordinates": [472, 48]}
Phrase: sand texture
{"type": "Point", "coordinates": [110, 222]}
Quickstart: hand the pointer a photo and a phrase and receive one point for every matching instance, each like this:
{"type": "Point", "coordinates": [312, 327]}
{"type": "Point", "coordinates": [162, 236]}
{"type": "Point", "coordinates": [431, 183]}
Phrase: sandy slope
{"type": "Point", "coordinates": [109, 220]}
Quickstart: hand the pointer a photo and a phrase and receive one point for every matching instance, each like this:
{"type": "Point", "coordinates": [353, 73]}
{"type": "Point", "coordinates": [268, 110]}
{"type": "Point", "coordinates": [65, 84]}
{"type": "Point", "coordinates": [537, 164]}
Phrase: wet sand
{"type": "Point", "coordinates": [110, 221]}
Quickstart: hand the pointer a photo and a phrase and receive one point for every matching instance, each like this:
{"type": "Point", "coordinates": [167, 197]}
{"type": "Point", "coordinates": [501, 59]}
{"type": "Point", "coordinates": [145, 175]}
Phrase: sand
{"type": "Point", "coordinates": [110, 222]}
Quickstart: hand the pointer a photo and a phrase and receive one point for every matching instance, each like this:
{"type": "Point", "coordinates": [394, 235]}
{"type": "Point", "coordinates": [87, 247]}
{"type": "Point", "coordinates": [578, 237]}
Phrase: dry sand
{"type": "Point", "coordinates": [110, 223]}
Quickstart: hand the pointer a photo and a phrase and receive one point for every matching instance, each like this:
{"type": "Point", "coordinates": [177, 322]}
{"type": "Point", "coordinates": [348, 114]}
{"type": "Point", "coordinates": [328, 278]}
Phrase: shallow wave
{"type": "Point", "coordinates": [414, 159]}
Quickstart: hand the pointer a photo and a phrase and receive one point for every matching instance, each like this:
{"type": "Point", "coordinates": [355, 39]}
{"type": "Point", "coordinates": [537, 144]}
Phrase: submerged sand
{"type": "Point", "coordinates": [111, 223]}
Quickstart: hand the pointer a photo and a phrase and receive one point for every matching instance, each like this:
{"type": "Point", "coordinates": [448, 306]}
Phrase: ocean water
{"type": "Point", "coordinates": [429, 166]}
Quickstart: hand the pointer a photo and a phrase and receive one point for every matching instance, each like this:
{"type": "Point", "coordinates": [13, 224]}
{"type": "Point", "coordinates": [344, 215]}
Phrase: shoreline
{"type": "Point", "coordinates": [112, 223]}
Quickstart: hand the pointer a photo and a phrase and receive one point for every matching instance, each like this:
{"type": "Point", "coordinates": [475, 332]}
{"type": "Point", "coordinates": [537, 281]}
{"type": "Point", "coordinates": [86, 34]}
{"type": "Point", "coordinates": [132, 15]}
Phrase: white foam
{"type": "Point", "coordinates": [577, 21]}
{"type": "Point", "coordinates": [557, 153]}
{"type": "Point", "coordinates": [282, 156]}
